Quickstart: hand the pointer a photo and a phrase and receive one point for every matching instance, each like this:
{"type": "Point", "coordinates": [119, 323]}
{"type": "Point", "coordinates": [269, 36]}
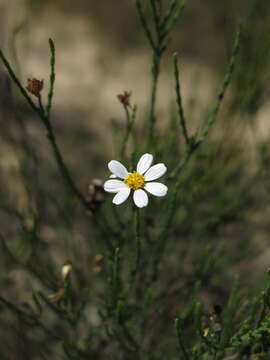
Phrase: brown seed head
{"type": "Point", "coordinates": [57, 296]}
{"type": "Point", "coordinates": [96, 195]}
{"type": "Point", "coordinates": [125, 98]}
{"type": "Point", "coordinates": [34, 86]}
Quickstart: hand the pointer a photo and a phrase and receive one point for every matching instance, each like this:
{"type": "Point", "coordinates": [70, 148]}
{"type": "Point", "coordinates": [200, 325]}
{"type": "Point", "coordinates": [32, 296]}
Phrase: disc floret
{"type": "Point", "coordinates": [135, 180]}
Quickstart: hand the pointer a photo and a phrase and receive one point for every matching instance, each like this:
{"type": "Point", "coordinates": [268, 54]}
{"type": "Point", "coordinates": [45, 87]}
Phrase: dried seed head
{"type": "Point", "coordinates": [96, 195]}
{"type": "Point", "coordinates": [99, 263]}
{"type": "Point", "coordinates": [125, 98]}
{"type": "Point", "coordinates": [215, 318]}
{"type": "Point", "coordinates": [34, 86]}
{"type": "Point", "coordinates": [57, 296]}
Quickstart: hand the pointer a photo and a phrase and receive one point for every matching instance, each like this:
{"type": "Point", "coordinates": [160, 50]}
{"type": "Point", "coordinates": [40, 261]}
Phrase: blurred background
{"type": "Point", "coordinates": [101, 51]}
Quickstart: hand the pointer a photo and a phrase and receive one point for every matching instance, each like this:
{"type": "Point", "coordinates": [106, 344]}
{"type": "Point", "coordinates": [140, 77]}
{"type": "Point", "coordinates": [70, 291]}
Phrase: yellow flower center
{"type": "Point", "coordinates": [134, 180]}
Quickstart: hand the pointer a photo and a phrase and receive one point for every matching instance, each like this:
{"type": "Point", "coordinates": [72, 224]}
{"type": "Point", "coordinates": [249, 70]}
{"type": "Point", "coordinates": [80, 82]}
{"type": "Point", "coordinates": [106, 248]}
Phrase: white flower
{"type": "Point", "coordinates": [139, 181]}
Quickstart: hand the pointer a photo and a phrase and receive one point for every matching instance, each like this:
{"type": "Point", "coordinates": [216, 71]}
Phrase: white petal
{"type": "Point", "coordinates": [144, 163]}
{"type": "Point", "coordinates": [121, 196]}
{"type": "Point", "coordinates": [114, 186]}
{"type": "Point", "coordinates": [140, 198]}
{"type": "Point", "coordinates": [155, 172]}
{"type": "Point", "coordinates": [112, 176]}
{"type": "Point", "coordinates": [156, 188]}
{"type": "Point", "coordinates": [118, 169]}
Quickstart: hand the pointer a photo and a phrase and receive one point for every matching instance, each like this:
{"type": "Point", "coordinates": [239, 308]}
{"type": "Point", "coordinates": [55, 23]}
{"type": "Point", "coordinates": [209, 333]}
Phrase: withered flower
{"type": "Point", "coordinates": [125, 98]}
{"type": "Point", "coordinates": [96, 195]}
{"type": "Point", "coordinates": [66, 269]}
{"type": "Point", "coordinates": [57, 296]}
{"type": "Point", "coordinates": [214, 322]}
{"type": "Point", "coordinates": [34, 86]}
{"type": "Point", "coordinates": [215, 318]}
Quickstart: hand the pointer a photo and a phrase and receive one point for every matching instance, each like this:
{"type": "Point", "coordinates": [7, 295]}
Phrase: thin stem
{"type": "Point", "coordinates": [175, 15]}
{"type": "Point", "coordinates": [138, 239]}
{"type": "Point", "coordinates": [169, 12]}
{"type": "Point", "coordinates": [137, 232]}
{"type": "Point", "coordinates": [129, 126]}
{"type": "Point", "coordinates": [40, 104]}
{"type": "Point", "coordinates": [144, 24]}
{"type": "Point", "coordinates": [115, 275]}
{"type": "Point", "coordinates": [179, 100]}
{"type": "Point", "coordinates": [61, 164]}
{"type": "Point", "coordinates": [45, 118]}
{"type": "Point", "coordinates": [52, 79]}
{"type": "Point", "coordinates": [180, 339]}
{"type": "Point", "coordinates": [227, 79]}
{"type": "Point", "coordinates": [19, 85]}
{"type": "Point", "coordinates": [156, 18]}
{"type": "Point", "coordinates": [153, 99]}
{"type": "Point", "coordinates": [196, 141]}
{"type": "Point", "coordinates": [178, 169]}
{"type": "Point", "coordinates": [171, 211]}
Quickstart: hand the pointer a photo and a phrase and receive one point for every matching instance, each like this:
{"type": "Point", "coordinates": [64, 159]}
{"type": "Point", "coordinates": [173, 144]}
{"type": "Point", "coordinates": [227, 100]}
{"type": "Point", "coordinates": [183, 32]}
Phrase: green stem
{"type": "Point", "coordinates": [180, 339]}
{"type": "Point", "coordinates": [156, 18]}
{"type": "Point", "coordinates": [129, 126]}
{"type": "Point", "coordinates": [171, 9]}
{"type": "Point", "coordinates": [45, 118]}
{"type": "Point", "coordinates": [40, 104]}
{"type": "Point", "coordinates": [19, 85]}
{"type": "Point", "coordinates": [144, 24]}
{"type": "Point", "coordinates": [153, 99]}
{"type": "Point", "coordinates": [196, 141]}
{"type": "Point", "coordinates": [138, 239]}
{"type": "Point", "coordinates": [171, 211]}
{"type": "Point", "coordinates": [115, 272]}
{"type": "Point", "coordinates": [179, 100]}
{"type": "Point", "coordinates": [138, 245]}
{"type": "Point", "coordinates": [61, 164]}
{"type": "Point", "coordinates": [52, 80]}
{"type": "Point", "coordinates": [227, 79]}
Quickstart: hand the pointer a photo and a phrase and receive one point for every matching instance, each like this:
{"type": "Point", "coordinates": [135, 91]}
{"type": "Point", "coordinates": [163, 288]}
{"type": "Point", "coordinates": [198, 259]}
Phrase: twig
{"type": "Point", "coordinates": [19, 85]}
{"type": "Point", "coordinates": [179, 100]}
{"type": "Point", "coordinates": [144, 24]}
{"type": "Point", "coordinates": [227, 79]}
{"type": "Point", "coordinates": [129, 126]}
{"type": "Point", "coordinates": [180, 339]}
{"type": "Point", "coordinates": [52, 79]}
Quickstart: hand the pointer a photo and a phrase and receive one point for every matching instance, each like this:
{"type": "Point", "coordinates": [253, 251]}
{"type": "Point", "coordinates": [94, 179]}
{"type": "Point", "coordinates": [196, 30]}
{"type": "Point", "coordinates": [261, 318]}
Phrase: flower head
{"type": "Point", "coordinates": [138, 181]}
{"type": "Point", "coordinates": [34, 86]}
{"type": "Point", "coordinates": [125, 98]}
